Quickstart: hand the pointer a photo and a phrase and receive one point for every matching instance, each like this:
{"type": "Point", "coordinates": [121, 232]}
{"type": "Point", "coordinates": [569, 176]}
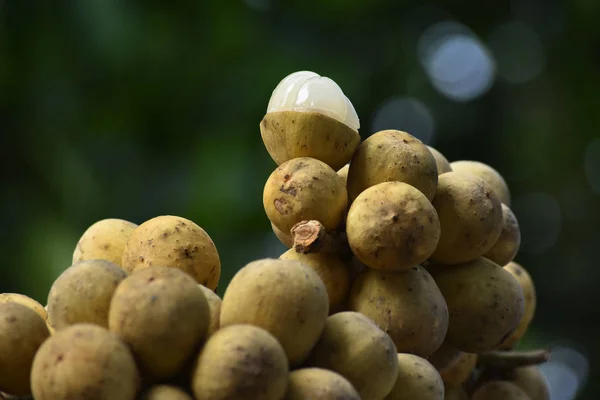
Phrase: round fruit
{"type": "Point", "coordinates": [455, 393]}
{"type": "Point", "coordinates": [285, 238]}
{"type": "Point", "coordinates": [406, 305]}
{"type": "Point", "coordinates": [417, 379]}
{"type": "Point", "coordinates": [532, 382]}
{"type": "Point", "coordinates": [445, 356]}
{"type": "Point", "coordinates": [441, 161]}
{"type": "Point", "coordinates": [499, 390]}
{"type": "Point", "coordinates": [104, 240]}
{"type": "Point", "coordinates": [240, 362]}
{"type": "Point", "coordinates": [25, 301]}
{"type": "Point", "coordinates": [319, 384]}
{"type": "Point", "coordinates": [392, 226]}
{"type": "Point", "coordinates": [176, 242]}
{"type": "Point", "coordinates": [82, 293]}
{"type": "Point", "coordinates": [353, 346]}
{"type": "Point", "coordinates": [22, 332]}
{"type": "Point", "coordinates": [392, 155]}
{"type": "Point", "coordinates": [285, 297]}
{"type": "Point", "coordinates": [214, 306]}
{"type": "Point", "coordinates": [470, 218]}
{"type": "Point", "coordinates": [84, 362]}
{"type": "Point", "coordinates": [489, 174]}
{"type": "Point", "coordinates": [305, 189]}
{"type": "Point", "coordinates": [165, 392]}
{"type": "Point", "coordinates": [343, 173]}
{"type": "Point", "coordinates": [458, 372]}
{"type": "Point", "coordinates": [485, 303]}
{"type": "Point", "coordinates": [163, 316]}
{"type": "Point", "coordinates": [507, 245]}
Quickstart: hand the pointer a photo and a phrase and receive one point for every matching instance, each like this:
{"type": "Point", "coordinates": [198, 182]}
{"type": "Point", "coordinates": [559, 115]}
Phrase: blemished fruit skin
{"type": "Point", "coordinates": [470, 217]}
{"type": "Point", "coordinates": [82, 293]}
{"type": "Point", "coordinates": [506, 247]}
{"type": "Point", "coordinates": [305, 189]}
{"type": "Point", "coordinates": [26, 301]}
{"type": "Point", "coordinates": [391, 226]}
{"type": "Point", "coordinates": [532, 382]}
{"type": "Point", "coordinates": [489, 174]}
{"type": "Point", "coordinates": [84, 362]}
{"type": "Point", "coordinates": [524, 279]}
{"type": "Point", "coordinates": [354, 347]}
{"type": "Point", "coordinates": [392, 155]}
{"type": "Point", "coordinates": [332, 271]}
{"type": "Point", "coordinates": [22, 332]}
{"type": "Point", "coordinates": [214, 305]}
{"type": "Point", "coordinates": [408, 306]}
{"type": "Point", "coordinates": [285, 297]}
{"type": "Point", "coordinates": [241, 362]}
{"type": "Point", "coordinates": [104, 240]}
{"type": "Point", "coordinates": [441, 161]}
{"type": "Point", "coordinates": [293, 134]}
{"type": "Point", "coordinates": [499, 390]}
{"type": "Point", "coordinates": [319, 384]}
{"type": "Point", "coordinates": [417, 379]}
{"type": "Point", "coordinates": [485, 303]}
{"type": "Point", "coordinates": [176, 242]}
{"type": "Point", "coordinates": [165, 392]}
{"type": "Point", "coordinates": [458, 372]}
{"type": "Point", "coordinates": [163, 316]}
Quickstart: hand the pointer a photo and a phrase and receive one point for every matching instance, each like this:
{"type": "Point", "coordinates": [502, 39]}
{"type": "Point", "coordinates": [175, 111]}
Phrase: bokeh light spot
{"type": "Point", "coordinates": [405, 114]}
{"type": "Point", "coordinates": [565, 373]}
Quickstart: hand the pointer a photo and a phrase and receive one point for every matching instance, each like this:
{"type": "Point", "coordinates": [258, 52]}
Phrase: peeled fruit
{"type": "Point", "coordinates": [163, 316]}
{"type": "Point", "coordinates": [485, 303]}
{"type": "Point", "coordinates": [499, 390]}
{"type": "Point", "coordinates": [305, 189]}
{"type": "Point", "coordinates": [417, 379]}
{"type": "Point", "coordinates": [285, 297]}
{"type": "Point", "coordinates": [441, 161]}
{"type": "Point", "coordinates": [104, 240]}
{"type": "Point", "coordinates": [532, 382]}
{"type": "Point", "coordinates": [240, 362]}
{"type": "Point", "coordinates": [214, 306]}
{"type": "Point", "coordinates": [22, 332]}
{"type": "Point", "coordinates": [82, 293]}
{"type": "Point", "coordinates": [458, 372]}
{"type": "Point", "coordinates": [319, 384]}
{"type": "Point", "coordinates": [507, 245]}
{"type": "Point", "coordinates": [285, 238]}
{"type": "Point", "coordinates": [392, 155]}
{"type": "Point", "coordinates": [165, 392]}
{"type": "Point", "coordinates": [332, 271]}
{"type": "Point", "coordinates": [408, 306]}
{"type": "Point", "coordinates": [526, 283]}
{"type": "Point", "coordinates": [175, 242]}
{"type": "Point", "coordinates": [489, 174]}
{"type": "Point", "coordinates": [84, 362]}
{"type": "Point", "coordinates": [25, 301]}
{"type": "Point", "coordinates": [354, 347]}
{"type": "Point", "coordinates": [391, 226]}
{"type": "Point", "coordinates": [470, 218]}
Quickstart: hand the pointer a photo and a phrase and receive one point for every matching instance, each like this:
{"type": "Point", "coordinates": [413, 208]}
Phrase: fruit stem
{"type": "Point", "coordinates": [312, 237]}
{"type": "Point", "coordinates": [513, 359]}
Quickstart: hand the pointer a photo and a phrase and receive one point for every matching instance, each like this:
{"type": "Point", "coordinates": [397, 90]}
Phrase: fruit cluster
{"type": "Point", "coordinates": [398, 284]}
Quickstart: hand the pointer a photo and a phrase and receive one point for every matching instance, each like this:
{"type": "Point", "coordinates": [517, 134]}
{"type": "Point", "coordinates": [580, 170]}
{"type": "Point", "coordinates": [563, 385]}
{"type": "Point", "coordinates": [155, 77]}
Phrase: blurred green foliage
{"type": "Point", "coordinates": [135, 109]}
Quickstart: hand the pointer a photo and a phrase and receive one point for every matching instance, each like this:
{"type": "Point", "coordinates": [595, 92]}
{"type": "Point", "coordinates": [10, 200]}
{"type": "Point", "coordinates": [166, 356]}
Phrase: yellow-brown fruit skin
{"type": "Point", "coordinates": [214, 306]}
{"type": "Point", "coordinates": [175, 242]}
{"type": "Point", "coordinates": [343, 173]}
{"type": "Point", "coordinates": [455, 393]}
{"type": "Point", "coordinates": [354, 347]}
{"type": "Point", "coordinates": [445, 356]}
{"type": "Point", "coordinates": [165, 392]}
{"type": "Point", "coordinates": [458, 372]}
{"type": "Point", "coordinates": [22, 332]}
{"type": "Point", "coordinates": [499, 390]}
{"type": "Point", "coordinates": [104, 240]}
{"type": "Point", "coordinates": [319, 384]}
{"type": "Point", "coordinates": [163, 316]}
{"type": "Point", "coordinates": [285, 238]}
{"type": "Point", "coordinates": [25, 301]}
{"type": "Point", "coordinates": [392, 155]}
{"type": "Point", "coordinates": [417, 379]}
{"type": "Point", "coordinates": [292, 134]}
{"type": "Point", "coordinates": [506, 247]}
{"type": "Point", "coordinates": [332, 271]}
{"type": "Point", "coordinates": [392, 226]}
{"type": "Point", "coordinates": [82, 294]}
{"type": "Point", "coordinates": [241, 362]}
{"type": "Point", "coordinates": [305, 189]}
{"type": "Point", "coordinates": [285, 297]}
{"type": "Point", "coordinates": [488, 174]}
{"type": "Point", "coordinates": [408, 306]}
{"type": "Point", "coordinates": [470, 218]}
{"type": "Point", "coordinates": [441, 161]}
{"type": "Point", "coordinates": [84, 362]}
{"type": "Point", "coordinates": [532, 382]}
{"type": "Point", "coordinates": [485, 303]}
{"type": "Point", "coordinates": [526, 283]}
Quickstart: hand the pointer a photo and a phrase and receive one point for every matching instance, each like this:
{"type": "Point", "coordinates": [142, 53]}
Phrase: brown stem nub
{"type": "Point", "coordinates": [312, 237]}
{"type": "Point", "coordinates": [513, 359]}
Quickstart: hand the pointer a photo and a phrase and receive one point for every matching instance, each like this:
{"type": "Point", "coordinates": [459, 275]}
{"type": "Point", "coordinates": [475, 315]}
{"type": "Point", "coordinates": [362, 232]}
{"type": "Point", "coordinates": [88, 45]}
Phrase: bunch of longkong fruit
{"type": "Point", "coordinates": [399, 283]}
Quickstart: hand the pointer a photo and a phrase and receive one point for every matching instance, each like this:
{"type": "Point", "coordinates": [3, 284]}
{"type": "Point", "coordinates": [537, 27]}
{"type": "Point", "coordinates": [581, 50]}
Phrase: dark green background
{"type": "Point", "coordinates": [135, 109]}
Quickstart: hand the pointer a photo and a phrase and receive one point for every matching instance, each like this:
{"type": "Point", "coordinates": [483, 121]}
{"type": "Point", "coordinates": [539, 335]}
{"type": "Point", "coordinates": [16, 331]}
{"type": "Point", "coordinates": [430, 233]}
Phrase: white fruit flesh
{"type": "Point", "coordinates": [307, 91]}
